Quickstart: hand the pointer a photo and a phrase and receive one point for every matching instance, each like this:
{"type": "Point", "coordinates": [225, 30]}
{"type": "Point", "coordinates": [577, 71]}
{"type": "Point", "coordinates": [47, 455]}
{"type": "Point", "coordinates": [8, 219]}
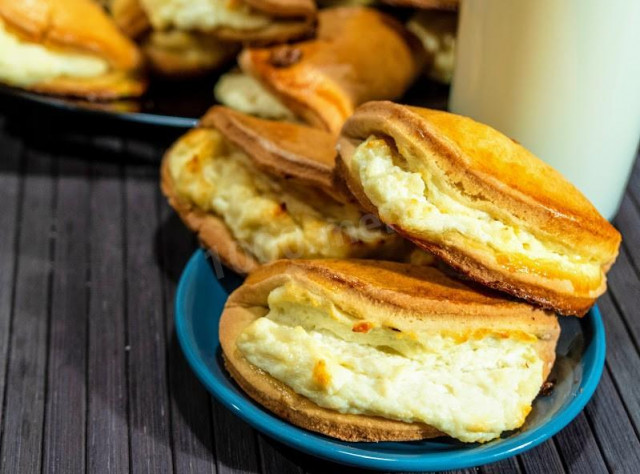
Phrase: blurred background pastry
{"type": "Point", "coordinates": [67, 47]}
{"type": "Point", "coordinates": [436, 30]}
{"type": "Point", "coordinates": [190, 38]}
{"type": "Point", "coordinates": [322, 80]}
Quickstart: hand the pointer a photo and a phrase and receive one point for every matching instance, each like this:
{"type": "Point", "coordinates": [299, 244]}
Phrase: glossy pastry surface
{"type": "Point", "coordinates": [480, 201]}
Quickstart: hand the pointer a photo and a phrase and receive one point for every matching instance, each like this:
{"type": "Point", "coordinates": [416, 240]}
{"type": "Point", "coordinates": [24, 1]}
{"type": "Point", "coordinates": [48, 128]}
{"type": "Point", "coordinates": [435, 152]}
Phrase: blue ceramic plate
{"type": "Point", "coordinates": [580, 359]}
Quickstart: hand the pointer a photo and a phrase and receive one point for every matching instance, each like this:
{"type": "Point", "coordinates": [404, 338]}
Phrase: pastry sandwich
{"type": "Point", "coordinates": [66, 47]}
{"type": "Point", "coordinates": [366, 350]}
{"type": "Point", "coordinates": [262, 21]}
{"type": "Point", "coordinates": [256, 191]}
{"type": "Point", "coordinates": [359, 54]}
{"type": "Point", "coordinates": [479, 201]}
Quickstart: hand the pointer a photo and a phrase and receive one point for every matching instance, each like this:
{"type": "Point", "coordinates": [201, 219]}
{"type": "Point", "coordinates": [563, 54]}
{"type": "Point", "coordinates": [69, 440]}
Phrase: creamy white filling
{"type": "Point", "coordinates": [471, 389]}
{"type": "Point", "coordinates": [267, 219]}
{"type": "Point", "coordinates": [413, 201]}
{"type": "Point", "coordinates": [23, 63]}
{"type": "Point", "coordinates": [246, 94]}
{"type": "Point", "coordinates": [203, 15]}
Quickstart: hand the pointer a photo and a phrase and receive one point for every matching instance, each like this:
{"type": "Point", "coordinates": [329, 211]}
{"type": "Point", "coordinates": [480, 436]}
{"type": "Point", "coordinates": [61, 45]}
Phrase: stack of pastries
{"type": "Point", "coordinates": [406, 267]}
{"type": "Point", "coordinates": [405, 276]}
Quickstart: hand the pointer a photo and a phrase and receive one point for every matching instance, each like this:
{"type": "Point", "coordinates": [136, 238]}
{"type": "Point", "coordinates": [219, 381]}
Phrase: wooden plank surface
{"type": "Point", "coordinates": [64, 430]}
{"type": "Point", "coordinates": [191, 417]}
{"type": "Point", "coordinates": [92, 378]}
{"type": "Point", "coordinates": [25, 390]}
{"type": "Point", "coordinates": [149, 406]}
{"type": "Point", "coordinates": [107, 398]}
{"type": "Point", "coordinates": [10, 194]}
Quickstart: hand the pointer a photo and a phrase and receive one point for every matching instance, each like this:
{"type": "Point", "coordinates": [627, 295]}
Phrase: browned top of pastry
{"type": "Point", "coordinates": [490, 166]}
{"type": "Point", "coordinates": [416, 295]}
{"type": "Point", "coordinates": [74, 24]}
{"type": "Point", "coordinates": [360, 54]}
{"type": "Point", "coordinates": [284, 8]}
{"type": "Point", "coordinates": [425, 4]}
{"type": "Point", "coordinates": [283, 149]}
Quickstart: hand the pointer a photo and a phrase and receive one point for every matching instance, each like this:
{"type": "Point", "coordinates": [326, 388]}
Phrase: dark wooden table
{"type": "Point", "coordinates": [91, 375]}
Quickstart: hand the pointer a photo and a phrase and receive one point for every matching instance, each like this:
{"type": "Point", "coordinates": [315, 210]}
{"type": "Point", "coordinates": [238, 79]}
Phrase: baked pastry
{"type": "Point", "coordinates": [322, 80]}
{"type": "Point", "coordinates": [258, 21]}
{"type": "Point", "coordinates": [130, 17]}
{"type": "Point", "coordinates": [479, 201]}
{"type": "Point", "coordinates": [178, 54]}
{"type": "Point", "coordinates": [436, 29]}
{"type": "Point", "coordinates": [380, 351]}
{"type": "Point", "coordinates": [425, 4]}
{"type": "Point", "coordinates": [66, 47]}
{"type": "Point", "coordinates": [256, 191]}
{"type": "Point", "coordinates": [172, 53]}
{"type": "Point", "coordinates": [188, 38]}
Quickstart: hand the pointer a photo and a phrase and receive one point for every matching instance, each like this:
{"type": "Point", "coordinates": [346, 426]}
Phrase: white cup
{"type": "Point", "coordinates": [560, 76]}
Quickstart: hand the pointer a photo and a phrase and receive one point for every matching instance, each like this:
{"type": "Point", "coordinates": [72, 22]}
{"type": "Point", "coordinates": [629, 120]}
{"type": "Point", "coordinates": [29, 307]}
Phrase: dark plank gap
{"type": "Point", "coordinates": [10, 193]}
{"type": "Point", "coordinates": [613, 429]}
{"type": "Point", "coordinates": [624, 286]}
{"type": "Point", "coordinates": [107, 399]}
{"type": "Point", "coordinates": [543, 458]}
{"type": "Point", "coordinates": [26, 374]}
{"type": "Point", "coordinates": [64, 446]}
{"type": "Point", "coordinates": [235, 442]}
{"type": "Point", "coordinates": [148, 387]}
{"type": "Point", "coordinates": [507, 466]}
{"type": "Point", "coordinates": [191, 417]}
{"type": "Point", "coordinates": [275, 457]}
{"type": "Point", "coordinates": [622, 359]}
{"type": "Point", "coordinates": [578, 447]}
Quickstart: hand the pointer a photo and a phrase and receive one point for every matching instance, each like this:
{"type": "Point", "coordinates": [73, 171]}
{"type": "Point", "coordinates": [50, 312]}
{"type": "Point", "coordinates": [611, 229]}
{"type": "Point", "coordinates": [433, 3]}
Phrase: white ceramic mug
{"type": "Point", "coordinates": [560, 76]}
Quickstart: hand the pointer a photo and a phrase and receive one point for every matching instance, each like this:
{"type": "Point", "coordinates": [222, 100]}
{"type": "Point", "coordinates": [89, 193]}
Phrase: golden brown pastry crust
{"type": "Point", "coordinates": [79, 25]}
{"type": "Point", "coordinates": [287, 150]}
{"type": "Point", "coordinates": [130, 17]}
{"type": "Point", "coordinates": [481, 163]}
{"type": "Point", "coordinates": [425, 4]}
{"type": "Point", "coordinates": [297, 152]}
{"type": "Point", "coordinates": [110, 86]}
{"type": "Point", "coordinates": [322, 80]}
{"type": "Point", "coordinates": [292, 19]}
{"type": "Point", "coordinates": [181, 54]}
{"type": "Point", "coordinates": [405, 296]}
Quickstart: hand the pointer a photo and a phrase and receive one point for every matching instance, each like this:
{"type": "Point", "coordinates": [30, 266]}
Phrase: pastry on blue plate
{"type": "Point", "coordinates": [364, 350]}
{"type": "Point", "coordinates": [256, 191]}
{"type": "Point", "coordinates": [479, 201]}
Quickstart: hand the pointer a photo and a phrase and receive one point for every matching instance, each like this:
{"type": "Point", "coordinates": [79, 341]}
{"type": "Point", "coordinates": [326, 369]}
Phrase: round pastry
{"type": "Point", "coordinates": [479, 201]}
{"type": "Point", "coordinates": [365, 350]}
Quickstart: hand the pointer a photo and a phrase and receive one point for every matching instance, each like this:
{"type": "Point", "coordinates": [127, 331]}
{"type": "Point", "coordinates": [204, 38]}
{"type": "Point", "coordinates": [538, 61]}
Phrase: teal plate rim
{"type": "Point", "coordinates": [201, 294]}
